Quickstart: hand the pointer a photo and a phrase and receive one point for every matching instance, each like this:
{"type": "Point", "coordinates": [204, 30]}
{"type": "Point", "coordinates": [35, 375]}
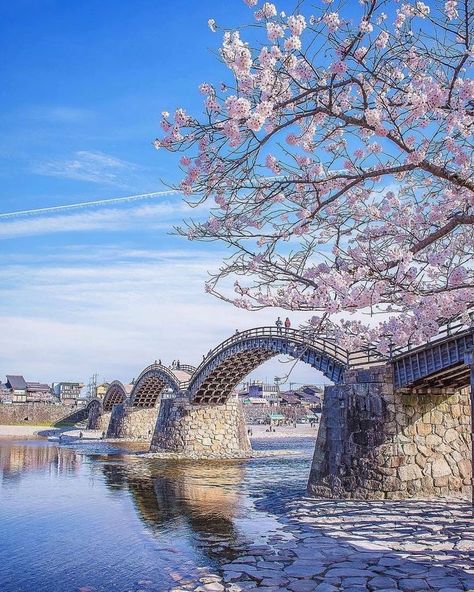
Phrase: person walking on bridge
{"type": "Point", "coordinates": [279, 324]}
{"type": "Point", "coordinates": [287, 324]}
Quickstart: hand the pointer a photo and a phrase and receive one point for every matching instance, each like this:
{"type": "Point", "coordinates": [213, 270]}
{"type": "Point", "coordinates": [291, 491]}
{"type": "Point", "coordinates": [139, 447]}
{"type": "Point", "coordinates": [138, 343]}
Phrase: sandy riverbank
{"type": "Point", "coordinates": [32, 431]}
{"type": "Point", "coordinates": [23, 431]}
{"type": "Point", "coordinates": [301, 431]}
{"type": "Point", "coordinates": [258, 432]}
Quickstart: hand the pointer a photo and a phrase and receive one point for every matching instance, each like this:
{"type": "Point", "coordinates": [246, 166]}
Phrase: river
{"type": "Point", "coordinates": [95, 518]}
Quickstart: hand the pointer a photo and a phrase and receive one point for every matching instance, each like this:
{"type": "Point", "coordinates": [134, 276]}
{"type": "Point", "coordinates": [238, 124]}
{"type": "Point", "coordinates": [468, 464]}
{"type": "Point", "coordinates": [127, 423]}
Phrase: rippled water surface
{"type": "Point", "coordinates": [101, 519]}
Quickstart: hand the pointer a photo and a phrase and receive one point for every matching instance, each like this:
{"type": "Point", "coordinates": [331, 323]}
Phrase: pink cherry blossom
{"type": "Point", "coordinates": [349, 166]}
{"type": "Point", "coordinates": [450, 8]}
{"type": "Point", "coordinates": [338, 67]}
{"type": "Point", "coordinates": [255, 122]}
{"type": "Point", "coordinates": [365, 26]}
{"type": "Point", "coordinates": [237, 107]}
{"type": "Point", "coordinates": [274, 31]}
{"type": "Point", "coordinates": [332, 21]}
{"type": "Point", "coordinates": [382, 39]}
{"type": "Point", "coordinates": [268, 10]}
{"type": "Point", "coordinates": [360, 53]}
{"type": "Point", "coordinates": [293, 43]}
{"type": "Point", "coordinates": [297, 24]}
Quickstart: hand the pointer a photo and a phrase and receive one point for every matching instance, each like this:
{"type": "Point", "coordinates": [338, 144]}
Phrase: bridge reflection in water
{"type": "Point", "coordinates": [73, 518]}
{"type": "Point", "coordinates": [18, 459]}
{"type": "Point", "coordinates": [202, 497]}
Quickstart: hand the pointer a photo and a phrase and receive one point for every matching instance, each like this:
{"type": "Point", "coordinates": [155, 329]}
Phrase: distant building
{"type": "Point", "coordinates": [5, 394]}
{"type": "Point", "coordinates": [309, 396]}
{"type": "Point", "coordinates": [256, 389]}
{"type": "Point", "coordinates": [17, 390]}
{"type": "Point", "coordinates": [38, 392]}
{"type": "Point", "coordinates": [68, 392]}
{"type": "Point", "coordinates": [258, 401]}
{"type": "Point", "coordinates": [16, 384]}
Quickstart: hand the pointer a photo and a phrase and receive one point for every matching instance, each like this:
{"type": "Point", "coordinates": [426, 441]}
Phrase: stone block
{"type": "Point", "coordinates": [433, 440]}
{"type": "Point", "coordinates": [450, 435]}
{"type": "Point", "coordinates": [464, 467]}
{"type": "Point", "coordinates": [410, 449]}
{"type": "Point", "coordinates": [410, 472]}
{"type": "Point", "coordinates": [455, 484]}
{"type": "Point", "coordinates": [423, 428]}
{"type": "Point", "coordinates": [440, 468]}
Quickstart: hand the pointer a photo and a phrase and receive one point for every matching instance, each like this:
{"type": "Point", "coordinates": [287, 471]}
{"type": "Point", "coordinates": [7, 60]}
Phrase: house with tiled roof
{"type": "Point", "coordinates": [17, 390]}
{"type": "Point", "coordinates": [16, 384]}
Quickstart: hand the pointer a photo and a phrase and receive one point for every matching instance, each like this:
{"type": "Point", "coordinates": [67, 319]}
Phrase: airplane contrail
{"type": "Point", "coordinates": [99, 202]}
{"type": "Point", "coordinates": [77, 206]}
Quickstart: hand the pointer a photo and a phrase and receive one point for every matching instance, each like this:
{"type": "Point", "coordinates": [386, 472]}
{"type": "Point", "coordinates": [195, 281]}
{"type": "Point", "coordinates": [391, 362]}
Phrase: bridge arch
{"type": "Point", "coordinates": [95, 413]}
{"type": "Point", "coordinates": [116, 394]}
{"type": "Point", "coordinates": [227, 365]}
{"type": "Point", "coordinates": [151, 383]}
{"type": "Point", "coordinates": [94, 403]}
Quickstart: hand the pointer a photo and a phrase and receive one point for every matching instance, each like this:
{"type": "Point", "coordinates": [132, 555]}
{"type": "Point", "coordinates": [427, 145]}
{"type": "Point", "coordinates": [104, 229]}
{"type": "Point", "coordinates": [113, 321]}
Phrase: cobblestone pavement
{"type": "Point", "coordinates": [355, 546]}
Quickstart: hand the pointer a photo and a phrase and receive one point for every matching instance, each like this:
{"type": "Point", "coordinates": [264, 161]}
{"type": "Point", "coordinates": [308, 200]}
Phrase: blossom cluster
{"type": "Point", "coordinates": [338, 164]}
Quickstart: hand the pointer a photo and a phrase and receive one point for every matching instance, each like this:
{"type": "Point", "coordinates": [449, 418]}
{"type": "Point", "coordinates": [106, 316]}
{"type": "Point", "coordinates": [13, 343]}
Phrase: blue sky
{"type": "Point", "coordinates": [104, 289]}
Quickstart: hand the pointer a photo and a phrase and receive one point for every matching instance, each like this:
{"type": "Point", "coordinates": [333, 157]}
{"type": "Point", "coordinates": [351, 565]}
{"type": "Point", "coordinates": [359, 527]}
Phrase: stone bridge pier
{"type": "Point", "coordinates": [97, 418]}
{"type": "Point", "coordinates": [135, 406]}
{"type": "Point", "coordinates": [376, 443]}
{"type": "Point", "coordinates": [201, 430]}
{"type": "Point", "coordinates": [132, 423]}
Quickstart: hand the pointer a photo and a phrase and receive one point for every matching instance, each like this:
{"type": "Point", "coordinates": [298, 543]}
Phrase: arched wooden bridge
{"type": "Point", "coordinates": [367, 421]}
{"type": "Point", "coordinates": [229, 363]}
{"type": "Point", "coordinates": [439, 365]}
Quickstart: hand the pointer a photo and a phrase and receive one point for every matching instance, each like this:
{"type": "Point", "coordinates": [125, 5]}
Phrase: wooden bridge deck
{"type": "Point", "coordinates": [436, 365]}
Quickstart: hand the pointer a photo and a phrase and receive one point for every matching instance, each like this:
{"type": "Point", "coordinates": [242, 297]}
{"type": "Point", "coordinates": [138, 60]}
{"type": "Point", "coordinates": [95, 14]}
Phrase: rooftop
{"type": "Point", "coordinates": [16, 382]}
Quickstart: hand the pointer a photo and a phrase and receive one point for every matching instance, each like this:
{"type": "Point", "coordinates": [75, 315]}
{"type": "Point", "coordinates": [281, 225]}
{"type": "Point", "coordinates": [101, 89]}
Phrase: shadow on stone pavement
{"type": "Point", "coordinates": [362, 546]}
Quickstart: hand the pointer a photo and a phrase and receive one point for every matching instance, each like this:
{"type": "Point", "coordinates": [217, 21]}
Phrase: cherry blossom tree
{"type": "Point", "coordinates": [336, 161]}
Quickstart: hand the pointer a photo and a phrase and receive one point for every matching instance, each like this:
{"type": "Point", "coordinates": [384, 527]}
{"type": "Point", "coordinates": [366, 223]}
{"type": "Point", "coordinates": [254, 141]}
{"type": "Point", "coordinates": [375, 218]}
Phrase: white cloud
{"type": "Point", "coordinates": [96, 167]}
{"type": "Point", "coordinates": [156, 215]}
{"type": "Point", "coordinates": [116, 316]}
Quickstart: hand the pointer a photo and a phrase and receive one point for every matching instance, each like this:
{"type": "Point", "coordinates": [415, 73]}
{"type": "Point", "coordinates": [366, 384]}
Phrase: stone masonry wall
{"type": "Point", "coordinates": [201, 431]}
{"type": "Point", "coordinates": [40, 414]}
{"type": "Point", "coordinates": [132, 423]}
{"type": "Point", "coordinates": [98, 419]}
{"type": "Point", "coordinates": [374, 443]}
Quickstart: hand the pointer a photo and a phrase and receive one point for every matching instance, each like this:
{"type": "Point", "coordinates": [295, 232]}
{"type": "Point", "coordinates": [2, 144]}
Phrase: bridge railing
{"type": "Point", "coordinates": [165, 370]}
{"type": "Point", "coordinates": [305, 337]}
{"type": "Point", "coordinates": [454, 328]}
{"type": "Point", "coordinates": [186, 368]}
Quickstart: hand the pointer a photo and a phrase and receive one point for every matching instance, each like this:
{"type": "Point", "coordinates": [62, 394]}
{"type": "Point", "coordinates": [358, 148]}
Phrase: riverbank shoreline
{"type": "Point", "coordinates": [256, 432]}
{"type": "Point", "coordinates": [38, 432]}
{"type": "Point", "coordinates": [261, 432]}
{"type": "Point", "coordinates": [8, 432]}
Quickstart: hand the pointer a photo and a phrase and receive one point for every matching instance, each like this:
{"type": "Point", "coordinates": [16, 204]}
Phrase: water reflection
{"type": "Point", "coordinates": [16, 459]}
{"type": "Point", "coordinates": [203, 496]}
{"type": "Point", "coordinates": [73, 508]}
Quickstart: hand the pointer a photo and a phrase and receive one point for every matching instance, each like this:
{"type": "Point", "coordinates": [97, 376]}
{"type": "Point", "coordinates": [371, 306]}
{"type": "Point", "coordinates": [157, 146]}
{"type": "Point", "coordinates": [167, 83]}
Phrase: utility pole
{"type": "Point", "coordinates": [92, 386]}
